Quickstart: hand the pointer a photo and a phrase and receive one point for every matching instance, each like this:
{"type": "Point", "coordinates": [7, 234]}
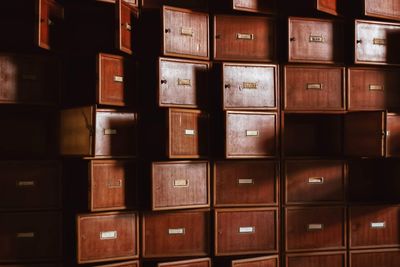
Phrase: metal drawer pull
{"type": "Point", "coordinates": [110, 131]}
{"type": "Point", "coordinates": [314, 86]}
{"type": "Point", "coordinates": [187, 31]}
{"type": "Point", "coordinates": [25, 183]}
{"type": "Point", "coordinates": [50, 22]}
{"type": "Point", "coordinates": [245, 181]}
{"type": "Point", "coordinates": [176, 231]}
{"type": "Point", "coordinates": [375, 87]}
{"type": "Point", "coordinates": [247, 230]}
{"type": "Point", "coordinates": [187, 82]}
{"type": "Point", "coordinates": [118, 79]}
{"type": "Point", "coordinates": [128, 26]}
{"type": "Point", "coordinates": [249, 85]}
{"type": "Point", "coordinates": [30, 77]}
{"type": "Point", "coordinates": [316, 180]}
{"type": "Point", "coordinates": [112, 185]}
{"type": "Point", "coordinates": [26, 235]}
{"type": "Point", "coordinates": [190, 132]}
{"type": "Point", "coordinates": [251, 133]}
{"type": "Point", "coordinates": [316, 39]}
{"type": "Point", "coordinates": [378, 225]}
{"type": "Point", "coordinates": [245, 36]}
{"type": "Point", "coordinates": [315, 226]}
{"type": "Point", "coordinates": [108, 235]}
{"type": "Point", "coordinates": [181, 183]}
{"type": "Point", "coordinates": [379, 41]}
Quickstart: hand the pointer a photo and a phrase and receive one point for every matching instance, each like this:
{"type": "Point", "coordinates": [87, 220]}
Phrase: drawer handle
{"type": "Point", "coordinates": [26, 235]}
{"type": "Point", "coordinates": [316, 180]}
{"type": "Point", "coordinates": [247, 230]}
{"type": "Point", "coordinates": [252, 133]}
{"type": "Point", "coordinates": [108, 235]}
{"type": "Point", "coordinates": [190, 132]}
{"type": "Point", "coordinates": [128, 26]}
{"type": "Point", "coordinates": [176, 231]}
{"type": "Point", "coordinates": [185, 82]}
{"type": "Point", "coordinates": [29, 77]}
{"type": "Point", "coordinates": [359, 41]}
{"type": "Point", "coordinates": [25, 183]}
{"type": "Point", "coordinates": [181, 183]}
{"type": "Point", "coordinates": [376, 87]}
{"type": "Point", "coordinates": [49, 22]}
{"type": "Point", "coordinates": [245, 36]}
{"type": "Point", "coordinates": [292, 39]}
{"type": "Point", "coordinates": [187, 31]}
{"type": "Point", "coordinates": [245, 181]}
{"type": "Point", "coordinates": [118, 79]}
{"type": "Point", "coordinates": [315, 226]}
{"type": "Point", "coordinates": [117, 184]}
{"type": "Point", "coordinates": [110, 131]}
{"type": "Point", "coordinates": [314, 86]}
{"type": "Point", "coordinates": [227, 86]}
{"type": "Point", "coordinates": [378, 225]}
{"type": "Point", "coordinates": [316, 39]}
{"type": "Point", "coordinates": [249, 85]}
{"type": "Point", "coordinates": [379, 41]}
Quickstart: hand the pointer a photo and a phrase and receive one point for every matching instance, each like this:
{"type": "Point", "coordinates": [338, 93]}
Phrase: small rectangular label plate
{"type": "Point", "coordinates": [176, 231]}
{"type": "Point", "coordinates": [108, 235]}
{"type": "Point", "coordinates": [247, 230]}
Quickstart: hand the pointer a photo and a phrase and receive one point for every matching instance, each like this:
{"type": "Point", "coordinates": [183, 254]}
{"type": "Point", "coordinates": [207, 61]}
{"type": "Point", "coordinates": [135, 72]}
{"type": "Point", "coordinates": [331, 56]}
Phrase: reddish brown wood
{"type": "Point", "coordinates": [205, 262]}
{"type": "Point", "coordinates": [125, 15]}
{"type": "Point", "coordinates": [328, 6]}
{"type": "Point", "coordinates": [122, 264]}
{"type": "Point", "coordinates": [387, 257]}
{"type": "Point", "coordinates": [385, 9]}
{"type": "Point", "coordinates": [156, 4]}
{"type": "Point", "coordinates": [254, 6]}
{"type": "Point", "coordinates": [317, 259]}
{"type": "Point", "coordinates": [393, 135]}
{"type": "Point", "coordinates": [269, 261]}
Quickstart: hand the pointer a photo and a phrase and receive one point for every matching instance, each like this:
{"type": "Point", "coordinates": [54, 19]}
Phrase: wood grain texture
{"type": "Point", "coordinates": [317, 259]}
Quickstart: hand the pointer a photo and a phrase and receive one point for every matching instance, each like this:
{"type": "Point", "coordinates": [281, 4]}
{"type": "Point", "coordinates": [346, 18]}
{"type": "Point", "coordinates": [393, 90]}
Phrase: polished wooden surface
{"type": "Point", "coordinates": [204, 262]}
{"type": "Point", "coordinates": [269, 261]}
{"type": "Point", "coordinates": [385, 9]}
{"type": "Point", "coordinates": [317, 259]}
{"type": "Point", "coordinates": [387, 257]}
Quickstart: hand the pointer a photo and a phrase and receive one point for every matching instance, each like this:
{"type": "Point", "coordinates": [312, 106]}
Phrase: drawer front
{"type": "Point", "coordinates": [134, 3]}
{"type": "Point", "coordinates": [113, 185]}
{"type": "Point", "coordinates": [246, 183]}
{"type": "Point", "coordinates": [105, 237]}
{"type": "Point", "coordinates": [178, 185]}
{"type": "Point", "coordinates": [373, 89]}
{"type": "Point", "coordinates": [30, 185]}
{"type": "Point", "coordinates": [308, 182]}
{"type": "Point", "coordinates": [175, 234]}
{"type": "Point", "coordinates": [382, 9]}
{"type": "Point", "coordinates": [50, 13]}
{"type": "Point", "coordinates": [257, 6]}
{"type": "Point", "coordinates": [122, 264]}
{"type": "Point", "coordinates": [246, 231]}
{"type": "Point", "coordinates": [188, 134]}
{"type": "Point", "coordinates": [334, 259]}
{"type": "Point", "coordinates": [328, 6]}
{"type": "Point", "coordinates": [374, 226]}
{"type": "Point", "coordinates": [315, 228]}
{"type": "Point", "coordinates": [182, 83]}
{"type": "Point", "coordinates": [271, 261]}
{"type": "Point", "coordinates": [111, 87]}
{"type": "Point", "coordinates": [206, 262]}
{"type": "Point", "coordinates": [392, 135]}
{"type": "Point", "coordinates": [251, 135]}
{"type": "Point", "coordinates": [314, 40]}
{"type": "Point", "coordinates": [315, 88]}
{"type": "Point", "coordinates": [31, 265]}
{"type": "Point", "coordinates": [388, 258]}
{"type": "Point", "coordinates": [375, 42]}
{"type": "Point", "coordinates": [125, 16]}
{"type": "Point", "coordinates": [115, 133]}
{"type": "Point", "coordinates": [185, 33]}
{"type": "Point", "coordinates": [30, 236]}
{"type": "Point", "coordinates": [244, 38]}
{"type": "Point", "coordinates": [249, 86]}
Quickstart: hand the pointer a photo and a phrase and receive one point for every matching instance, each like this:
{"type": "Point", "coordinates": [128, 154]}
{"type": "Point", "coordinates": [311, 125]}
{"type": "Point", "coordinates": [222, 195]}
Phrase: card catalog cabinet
{"type": "Point", "coordinates": [204, 262]}
{"type": "Point", "coordinates": [385, 9]}
{"type": "Point", "coordinates": [317, 259]}
{"type": "Point", "coordinates": [107, 236]}
{"type": "Point", "coordinates": [382, 257]}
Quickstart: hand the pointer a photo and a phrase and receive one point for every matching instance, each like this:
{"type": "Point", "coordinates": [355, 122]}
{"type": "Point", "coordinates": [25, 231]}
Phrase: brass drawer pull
{"type": "Point", "coordinates": [181, 183]}
{"type": "Point", "coordinates": [315, 226]}
{"type": "Point", "coordinates": [118, 79]}
{"type": "Point", "coordinates": [247, 230]}
{"type": "Point", "coordinates": [375, 87]}
{"type": "Point", "coordinates": [245, 36]}
{"type": "Point", "coordinates": [184, 82]}
{"type": "Point", "coordinates": [110, 131]}
{"type": "Point", "coordinates": [176, 231]}
{"type": "Point", "coordinates": [316, 180]}
{"type": "Point", "coordinates": [378, 225]}
{"type": "Point", "coordinates": [108, 235]}
{"type": "Point", "coordinates": [128, 26]}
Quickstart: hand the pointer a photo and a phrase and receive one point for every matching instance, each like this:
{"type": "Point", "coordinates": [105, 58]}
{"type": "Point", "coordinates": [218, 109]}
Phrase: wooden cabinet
{"type": "Point", "coordinates": [315, 181]}
{"type": "Point", "coordinates": [204, 262]}
{"type": "Point", "coordinates": [317, 259]}
{"type": "Point", "coordinates": [122, 264]}
{"type": "Point", "coordinates": [246, 183]}
{"type": "Point", "coordinates": [315, 40]}
{"type": "Point", "coordinates": [314, 88]}
{"type": "Point", "coordinates": [382, 257]}
{"type": "Point", "coordinates": [251, 134]}
{"type": "Point", "coordinates": [30, 237]}
{"type": "Point", "coordinates": [384, 9]}
{"type": "Point", "coordinates": [269, 261]}
{"type": "Point", "coordinates": [180, 184]}
{"type": "Point", "coordinates": [244, 38]}
{"type": "Point", "coordinates": [246, 231]}
{"type": "Point", "coordinates": [89, 131]}
{"type": "Point", "coordinates": [249, 86]}
{"type": "Point", "coordinates": [374, 226]}
{"type": "Point", "coordinates": [175, 234]}
{"type": "Point", "coordinates": [30, 185]}
{"type": "Point", "coordinates": [107, 236]}
{"type": "Point", "coordinates": [315, 228]}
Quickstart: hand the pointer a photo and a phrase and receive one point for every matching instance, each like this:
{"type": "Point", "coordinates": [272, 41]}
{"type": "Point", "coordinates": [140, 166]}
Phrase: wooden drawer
{"type": "Point", "coordinates": [205, 262]}
{"type": "Point", "coordinates": [244, 38]}
{"type": "Point", "coordinates": [185, 33]}
{"type": "Point", "coordinates": [269, 261]}
{"type": "Point", "coordinates": [314, 88]}
{"type": "Point", "coordinates": [32, 265]}
{"type": "Point", "coordinates": [317, 259]}
{"type": "Point", "coordinates": [373, 89]}
{"type": "Point", "coordinates": [122, 264]}
{"type": "Point", "coordinates": [374, 226]}
{"type": "Point", "coordinates": [251, 134]}
{"type": "Point", "coordinates": [246, 183]}
{"type": "Point", "coordinates": [312, 8]}
{"type": "Point", "coordinates": [315, 228]}
{"type": "Point", "coordinates": [385, 9]}
{"type": "Point", "coordinates": [315, 40]}
{"type": "Point", "coordinates": [392, 135]}
{"type": "Point", "coordinates": [155, 4]}
{"type": "Point", "coordinates": [252, 6]}
{"type": "Point", "coordinates": [387, 257]}
{"type": "Point", "coordinates": [183, 83]}
{"type": "Point", "coordinates": [30, 237]}
{"type": "Point", "coordinates": [175, 234]}
{"type": "Point", "coordinates": [30, 185]}
{"type": "Point", "coordinates": [249, 86]}
{"type": "Point", "coordinates": [107, 236]}
{"type": "Point", "coordinates": [376, 42]}
{"type": "Point", "coordinates": [29, 79]}
{"type": "Point", "coordinates": [89, 131]}
{"type": "Point", "coordinates": [246, 231]}
{"type": "Point", "coordinates": [180, 185]}
{"type": "Point", "coordinates": [315, 181]}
